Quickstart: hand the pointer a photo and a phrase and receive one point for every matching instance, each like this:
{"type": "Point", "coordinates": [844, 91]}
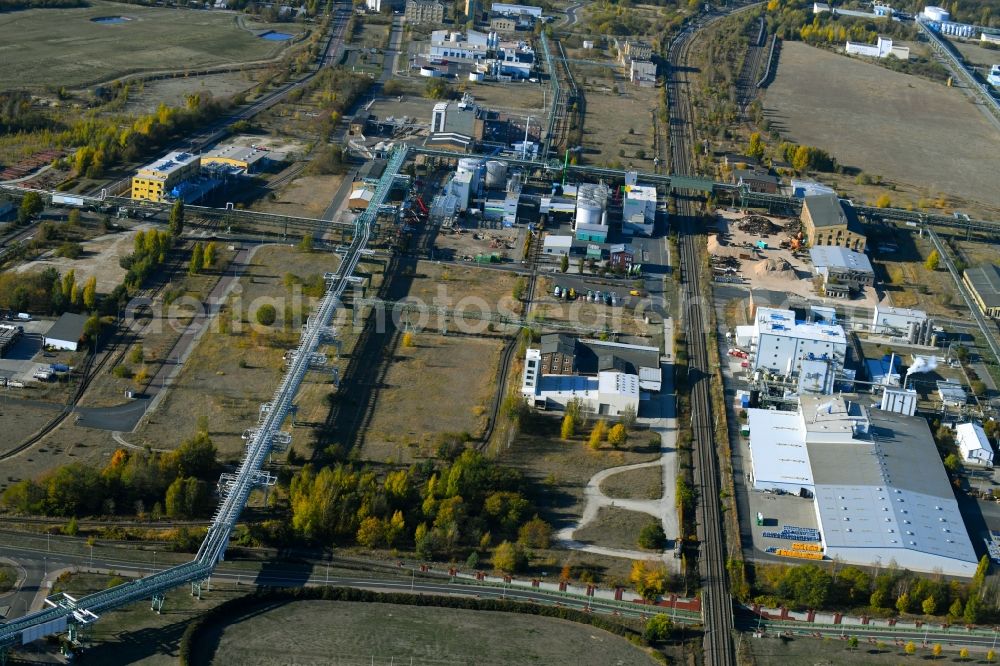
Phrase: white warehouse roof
{"type": "Point", "coordinates": [782, 322]}
{"type": "Point", "coordinates": [834, 256]}
{"type": "Point", "coordinates": [881, 493]}
{"type": "Point", "coordinates": [973, 443]}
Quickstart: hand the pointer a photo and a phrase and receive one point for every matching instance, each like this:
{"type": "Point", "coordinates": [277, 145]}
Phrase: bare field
{"type": "Point", "coordinates": [902, 127]}
{"type": "Point", "coordinates": [79, 52]}
{"type": "Point", "coordinates": [511, 97]}
{"type": "Point", "coordinates": [975, 54]}
{"type": "Point", "coordinates": [308, 196]}
{"type": "Point", "coordinates": [645, 483]}
{"type": "Point", "coordinates": [458, 286]}
{"type": "Point", "coordinates": [442, 384]}
{"type": "Point", "coordinates": [617, 125]}
{"type": "Point", "coordinates": [172, 92]}
{"type": "Point", "coordinates": [614, 528]}
{"type": "Point", "coordinates": [359, 634]}
{"type": "Point", "coordinates": [228, 375]}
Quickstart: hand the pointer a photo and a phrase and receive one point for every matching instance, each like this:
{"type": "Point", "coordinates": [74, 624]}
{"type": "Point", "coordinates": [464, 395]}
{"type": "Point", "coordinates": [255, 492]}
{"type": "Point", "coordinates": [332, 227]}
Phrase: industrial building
{"type": "Point", "coordinates": [557, 245]}
{"type": "Point", "coordinates": [159, 180]}
{"type": "Point", "coordinates": [842, 269]}
{"type": "Point", "coordinates": [621, 257]}
{"type": "Point", "coordinates": [247, 159]}
{"type": "Point", "coordinates": [880, 492]}
{"type": "Point", "coordinates": [504, 9]}
{"type": "Point", "coordinates": [458, 126]}
{"type": "Point", "coordinates": [423, 11]}
{"type": "Point", "coordinates": [883, 48]}
{"type": "Point", "coordinates": [812, 352]}
{"type": "Point", "coordinates": [633, 49]}
{"type": "Point", "coordinates": [912, 325]}
{"type": "Point", "coordinates": [451, 45]}
{"type": "Point", "coordinates": [591, 220]}
{"type": "Point", "coordinates": [826, 220]}
{"type": "Point", "coordinates": [756, 181]}
{"type": "Point", "coordinates": [984, 283]}
{"type": "Point", "coordinates": [642, 73]}
{"type": "Point", "coordinates": [932, 13]}
{"type": "Point", "coordinates": [607, 378]}
{"type": "Point", "coordinates": [884, 371]}
{"type": "Point", "coordinates": [66, 333]}
{"type": "Point", "coordinates": [974, 444]}
{"type": "Point", "coordinates": [369, 173]}
{"type": "Point", "coordinates": [638, 207]}
{"type": "Point", "coordinates": [951, 393]}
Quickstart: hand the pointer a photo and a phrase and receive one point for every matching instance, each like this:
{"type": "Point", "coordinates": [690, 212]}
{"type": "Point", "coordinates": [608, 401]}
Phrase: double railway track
{"type": "Point", "coordinates": [717, 603]}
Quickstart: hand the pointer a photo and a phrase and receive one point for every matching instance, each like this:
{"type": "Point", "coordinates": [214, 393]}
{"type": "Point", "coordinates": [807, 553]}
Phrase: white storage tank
{"type": "Point", "coordinates": [431, 72]}
{"type": "Point", "coordinates": [476, 77]}
{"type": "Point", "coordinates": [588, 211]}
{"type": "Point", "coordinates": [496, 173]}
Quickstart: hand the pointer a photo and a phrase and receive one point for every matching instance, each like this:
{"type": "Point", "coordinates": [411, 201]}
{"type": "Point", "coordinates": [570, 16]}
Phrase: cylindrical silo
{"type": "Point", "coordinates": [588, 211]}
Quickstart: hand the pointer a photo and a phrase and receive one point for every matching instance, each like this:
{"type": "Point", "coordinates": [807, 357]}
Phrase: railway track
{"type": "Point", "coordinates": [507, 356]}
{"type": "Point", "coordinates": [751, 72]}
{"type": "Point", "coordinates": [717, 603]}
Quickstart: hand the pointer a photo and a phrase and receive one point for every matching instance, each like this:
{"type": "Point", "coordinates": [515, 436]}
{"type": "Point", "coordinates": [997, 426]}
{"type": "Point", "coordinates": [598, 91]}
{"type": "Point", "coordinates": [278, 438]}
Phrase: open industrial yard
{"type": "Point", "coordinates": [885, 122]}
{"type": "Point", "coordinates": [78, 52]}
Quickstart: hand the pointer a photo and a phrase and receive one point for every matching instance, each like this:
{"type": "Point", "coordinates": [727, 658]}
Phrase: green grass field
{"type": "Point", "coordinates": [49, 48]}
{"type": "Point", "coordinates": [348, 634]}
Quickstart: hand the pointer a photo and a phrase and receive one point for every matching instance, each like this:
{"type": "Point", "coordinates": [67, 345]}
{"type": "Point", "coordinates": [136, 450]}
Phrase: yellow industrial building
{"type": "Point", "coordinates": [155, 181]}
{"type": "Point", "coordinates": [247, 158]}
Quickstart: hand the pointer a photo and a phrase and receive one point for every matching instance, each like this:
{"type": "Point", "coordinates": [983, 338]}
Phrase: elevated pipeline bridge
{"type": "Point", "coordinates": [67, 614]}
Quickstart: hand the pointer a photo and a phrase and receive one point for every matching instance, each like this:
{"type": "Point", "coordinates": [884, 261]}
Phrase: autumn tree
{"type": "Point", "coordinates": [617, 436]}
{"type": "Point", "coordinates": [929, 605]}
{"type": "Point", "coordinates": [90, 293]}
{"type": "Point", "coordinates": [598, 434]}
{"type": "Point", "coordinates": [176, 220]}
{"type": "Point", "coordinates": [371, 532]}
{"type": "Point", "coordinates": [210, 255]}
{"type": "Point", "coordinates": [933, 261]}
{"type": "Point", "coordinates": [508, 557]}
{"type": "Point", "coordinates": [910, 648]}
{"type": "Point", "coordinates": [756, 149]}
{"type": "Point", "coordinates": [536, 533]}
{"type": "Point", "coordinates": [197, 259]}
{"type": "Point", "coordinates": [568, 427]}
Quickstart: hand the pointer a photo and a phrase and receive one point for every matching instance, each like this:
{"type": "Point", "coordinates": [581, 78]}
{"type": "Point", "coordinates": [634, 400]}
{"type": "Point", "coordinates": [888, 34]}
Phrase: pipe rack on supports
{"type": "Point", "coordinates": [982, 91]}
{"type": "Point", "coordinates": [236, 489]}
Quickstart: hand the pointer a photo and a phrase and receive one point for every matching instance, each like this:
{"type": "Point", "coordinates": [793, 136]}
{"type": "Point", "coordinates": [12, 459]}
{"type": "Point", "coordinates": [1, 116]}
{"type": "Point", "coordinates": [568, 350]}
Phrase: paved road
{"type": "Point", "coordinates": [571, 17]}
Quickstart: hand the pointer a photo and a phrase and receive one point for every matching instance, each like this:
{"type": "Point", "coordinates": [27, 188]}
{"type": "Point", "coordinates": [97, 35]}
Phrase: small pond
{"type": "Point", "coordinates": [273, 36]}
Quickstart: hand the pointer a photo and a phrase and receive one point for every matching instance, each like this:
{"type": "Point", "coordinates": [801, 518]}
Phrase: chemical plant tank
{"type": "Point", "coordinates": [588, 211]}
{"type": "Point", "coordinates": [496, 174]}
{"type": "Point", "coordinates": [590, 204]}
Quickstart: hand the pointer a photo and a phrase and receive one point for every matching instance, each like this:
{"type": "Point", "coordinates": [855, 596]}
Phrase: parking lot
{"type": "Point", "coordinates": [21, 360]}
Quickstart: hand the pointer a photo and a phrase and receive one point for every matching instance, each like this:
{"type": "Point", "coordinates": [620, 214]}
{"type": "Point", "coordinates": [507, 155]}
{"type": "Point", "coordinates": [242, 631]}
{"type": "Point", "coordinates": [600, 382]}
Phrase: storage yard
{"type": "Point", "coordinates": [887, 123]}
